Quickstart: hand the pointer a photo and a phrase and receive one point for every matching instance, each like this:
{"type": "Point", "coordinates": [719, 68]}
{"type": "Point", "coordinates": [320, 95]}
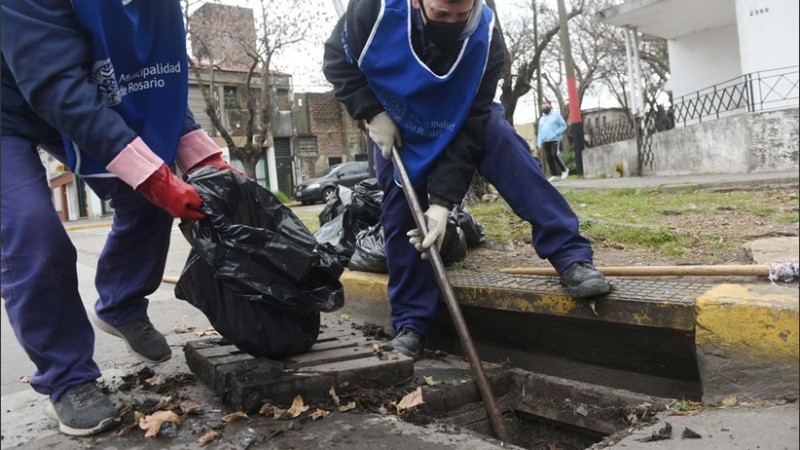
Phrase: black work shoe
{"type": "Point", "coordinates": [409, 343]}
{"type": "Point", "coordinates": [141, 337]}
{"type": "Point", "coordinates": [582, 280]}
{"type": "Point", "coordinates": [83, 410]}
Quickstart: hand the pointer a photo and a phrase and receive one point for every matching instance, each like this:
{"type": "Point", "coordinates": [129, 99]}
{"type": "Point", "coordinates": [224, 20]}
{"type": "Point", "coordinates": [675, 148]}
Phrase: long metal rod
{"type": "Point", "coordinates": [452, 305]}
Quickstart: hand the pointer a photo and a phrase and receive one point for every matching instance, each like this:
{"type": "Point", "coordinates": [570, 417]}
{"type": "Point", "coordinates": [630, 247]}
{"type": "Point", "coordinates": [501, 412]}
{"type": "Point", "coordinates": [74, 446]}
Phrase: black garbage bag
{"type": "Point", "coordinates": [370, 254]}
{"type": "Point", "coordinates": [454, 246]}
{"type": "Point", "coordinates": [340, 235]}
{"type": "Point", "coordinates": [366, 202]}
{"type": "Point", "coordinates": [250, 249]}
{"type": "Point", "coordinates": [341, 198]}
{"type": "Point", "coordinates": [474, 233]}
{"type": "Point", "coordinates": [246, 320]}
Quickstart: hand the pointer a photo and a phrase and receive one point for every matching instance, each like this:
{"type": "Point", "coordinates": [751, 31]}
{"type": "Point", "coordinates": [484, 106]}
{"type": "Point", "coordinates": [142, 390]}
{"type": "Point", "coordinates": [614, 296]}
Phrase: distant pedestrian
{"type": "Point", "coordinates": [548, 138]}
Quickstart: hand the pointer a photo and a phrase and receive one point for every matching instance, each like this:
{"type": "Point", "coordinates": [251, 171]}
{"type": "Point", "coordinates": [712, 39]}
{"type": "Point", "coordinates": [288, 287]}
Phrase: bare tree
{"type": "Point", "coordinates": [600, 61]}
{"type": "Point", "coordinates": [226, 39]}
{"type": "Point", "coordinates": [523, 56]}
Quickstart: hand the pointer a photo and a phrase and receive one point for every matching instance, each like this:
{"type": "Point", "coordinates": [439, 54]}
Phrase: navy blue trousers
{"type": "Point", "coordinates": [39, 276]}
{"type": "Point", "coordinates": [507, 164]}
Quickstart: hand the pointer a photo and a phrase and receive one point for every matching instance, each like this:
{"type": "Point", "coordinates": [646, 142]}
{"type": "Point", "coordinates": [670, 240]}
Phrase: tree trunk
{"type": "Point", "coordinates": [477, 189]}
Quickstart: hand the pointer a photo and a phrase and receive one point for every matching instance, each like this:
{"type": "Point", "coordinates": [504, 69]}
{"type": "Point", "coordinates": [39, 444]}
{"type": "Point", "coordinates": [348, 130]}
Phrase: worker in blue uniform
{"type": "Point", "coordinates": [102, 86]}
{"type": "Point", "coordinates": [423, 75]}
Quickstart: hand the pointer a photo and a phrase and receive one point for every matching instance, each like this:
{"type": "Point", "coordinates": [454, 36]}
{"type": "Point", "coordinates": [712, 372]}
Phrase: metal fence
{"type": "Point", "coordinates": [620, 130]}
{"type": "Point", "coordinates": [757, 91]}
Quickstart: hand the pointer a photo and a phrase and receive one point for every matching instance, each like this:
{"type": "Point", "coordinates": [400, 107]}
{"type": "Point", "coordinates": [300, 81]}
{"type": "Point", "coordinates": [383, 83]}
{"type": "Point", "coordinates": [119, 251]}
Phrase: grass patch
{"type": "Point", "coordinates": [500, 222]}
{"type": "Point", "coordinates": [671, 223]}
{"type": "Point", "coordinates": [309, 218]}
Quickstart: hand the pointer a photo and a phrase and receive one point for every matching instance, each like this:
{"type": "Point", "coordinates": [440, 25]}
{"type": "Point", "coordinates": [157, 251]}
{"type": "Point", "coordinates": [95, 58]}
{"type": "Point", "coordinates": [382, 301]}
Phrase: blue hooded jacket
{"type": "Point", "coordinates": [551, 128]}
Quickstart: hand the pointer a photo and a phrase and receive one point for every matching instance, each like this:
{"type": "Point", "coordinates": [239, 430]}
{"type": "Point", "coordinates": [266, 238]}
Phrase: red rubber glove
{"type": "Point", "coordinates": [216, 162]}
{"type": "Point", "coordinates": [172, 194]}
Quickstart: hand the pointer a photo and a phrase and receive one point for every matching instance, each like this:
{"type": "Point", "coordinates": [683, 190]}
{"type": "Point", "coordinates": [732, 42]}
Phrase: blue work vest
{"type": "Point", "coordinates": [138, 63]}
{"type": "Point", "coordinates": [429, 109]}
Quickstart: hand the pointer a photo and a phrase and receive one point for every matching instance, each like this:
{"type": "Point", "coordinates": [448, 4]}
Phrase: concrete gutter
{"type": "Point", "coordinates": [746, 335]}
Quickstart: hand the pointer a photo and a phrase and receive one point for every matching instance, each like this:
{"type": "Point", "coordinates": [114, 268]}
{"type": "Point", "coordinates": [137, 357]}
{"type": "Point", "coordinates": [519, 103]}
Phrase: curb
{"type": "Point", "coordinates": [747, 341]}
{"type": "Point", "coordinates": [745, 336]}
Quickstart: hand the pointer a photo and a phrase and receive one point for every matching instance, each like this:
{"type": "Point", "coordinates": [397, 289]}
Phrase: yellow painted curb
{"type": "Point", "coordinates": [758, 320]}
{"type": "Point", "coordinates": [88, 226]}
{"type": "Point", "coordinates": [368, 285]}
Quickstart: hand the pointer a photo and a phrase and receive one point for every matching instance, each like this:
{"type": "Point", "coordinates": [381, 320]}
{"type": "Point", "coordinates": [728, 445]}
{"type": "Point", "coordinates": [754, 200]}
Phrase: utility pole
{"type": "Point", "coordinates": [539, 96]}
{"type": "Point", "coordinates": [572, 89]}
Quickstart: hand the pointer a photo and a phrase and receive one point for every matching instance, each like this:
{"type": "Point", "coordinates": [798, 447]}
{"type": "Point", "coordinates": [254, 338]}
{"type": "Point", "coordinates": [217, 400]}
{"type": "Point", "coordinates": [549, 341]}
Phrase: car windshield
{"type": "Point", "coordinates": [326, 171]}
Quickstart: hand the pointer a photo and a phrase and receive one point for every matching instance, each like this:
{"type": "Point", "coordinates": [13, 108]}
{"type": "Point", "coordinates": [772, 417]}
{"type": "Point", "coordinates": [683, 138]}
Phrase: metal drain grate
{"type": "Point", "coordinates": [339, 356]}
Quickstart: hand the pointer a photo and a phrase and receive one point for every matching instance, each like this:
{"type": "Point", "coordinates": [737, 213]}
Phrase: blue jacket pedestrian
{"type": "Point", "coordinates": [551, 127]}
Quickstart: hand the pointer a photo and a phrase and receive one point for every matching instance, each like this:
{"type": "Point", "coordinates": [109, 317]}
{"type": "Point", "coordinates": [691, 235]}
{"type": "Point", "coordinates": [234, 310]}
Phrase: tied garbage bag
{"type": "Point", "coordinates": [369, 255]}
{"type": "Point", "coordinates": [339, 235]}
{"type": "Point", "coordinates": [473, 231]}
{"type": "Point", "coordinates": [365, 205]}
{"type": "Point", "coordinates": [341, 198]}
{"type": "Point", "coordinates": [255, 270]}
{"type": "Point", "coordinates": [454, 246]}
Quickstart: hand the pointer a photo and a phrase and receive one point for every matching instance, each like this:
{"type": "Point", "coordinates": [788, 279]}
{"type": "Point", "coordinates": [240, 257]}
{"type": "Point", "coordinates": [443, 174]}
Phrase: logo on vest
{"type": "Point", "coordinates": [107, 87]}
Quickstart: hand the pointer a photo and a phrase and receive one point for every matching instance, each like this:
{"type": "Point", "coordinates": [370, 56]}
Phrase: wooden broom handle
{"type": "Point", "coordinates": [658, 271]}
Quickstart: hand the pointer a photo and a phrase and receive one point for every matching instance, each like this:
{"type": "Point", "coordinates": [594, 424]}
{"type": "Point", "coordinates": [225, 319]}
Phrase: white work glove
{"type": "Point", "coordinates": [384, 132]}
{"type": "Point", "coordinates": [436, 219]}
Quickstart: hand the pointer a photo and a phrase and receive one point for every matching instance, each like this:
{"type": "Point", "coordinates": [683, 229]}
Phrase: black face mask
{"type": "Point", "coordinates": [442, 34]}
{"type": "Point", "coordinates": [546, 110]}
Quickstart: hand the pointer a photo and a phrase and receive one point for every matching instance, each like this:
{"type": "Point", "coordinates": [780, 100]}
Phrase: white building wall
{"type": "Point", "coordinates": [72, 202]}
{"type": "Point", "coordinates": [94, 205]}
{"type": "Point", "coordinates": [700, 60]}
{"type": "Point", "coordinates": [768, 34]}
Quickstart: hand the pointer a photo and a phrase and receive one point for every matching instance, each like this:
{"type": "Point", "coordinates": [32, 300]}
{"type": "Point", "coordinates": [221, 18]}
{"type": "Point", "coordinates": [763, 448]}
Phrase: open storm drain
{"type": "Point", "coordinates": [542, 412]}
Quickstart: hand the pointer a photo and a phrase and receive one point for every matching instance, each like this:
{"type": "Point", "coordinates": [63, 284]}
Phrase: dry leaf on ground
{"type": "Point", "coordinates": [156, 380]}
{"type": "Point", "coordinates": [168, 402]}
{"type": "Point", "coordinates": [207, 437]}
{"type": "Point", "coordinates": [298, 407]}
{"type": "Point", "coordinates": [152, 423]}
{"type": "Point", "coordinates": [347, 407]}
{"type": "Point", "coordinates": [234, 417]}
{"type": "Point", "coordinates": [729, 401]}
{"type": "Point", "coordinates": [267, 410]}
{"type": "Point", "coordinates": [181, 329]}
{"type": "Point", "coordinates": [411, 400]}
{"type": "Point", "coordinates": [191, 406]}
{"type": "Point", "coordinates": [335, 397]}
{"type": "Point", "coordinates": [206, 332]}
{"type": "Point", "coordinates": [319, 414]}
{"type": "Point", "coordinates": [278, 413]}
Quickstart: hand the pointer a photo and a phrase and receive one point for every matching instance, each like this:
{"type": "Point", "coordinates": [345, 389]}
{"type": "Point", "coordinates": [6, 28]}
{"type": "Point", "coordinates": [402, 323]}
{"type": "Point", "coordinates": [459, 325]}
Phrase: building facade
{"type": "Point", "coordinates": [326, 134]}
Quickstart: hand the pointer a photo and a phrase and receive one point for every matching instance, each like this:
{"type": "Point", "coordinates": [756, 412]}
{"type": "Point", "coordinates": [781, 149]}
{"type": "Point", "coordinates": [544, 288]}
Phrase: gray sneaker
{"type": "Point", "coordinates": [582, 280]}
{"type": "Point", "coordinates": [409, 343]}
{"type": "Point", "coordinates": [141, 337]}
{"type": "Point", "coordinates": [83, 410]}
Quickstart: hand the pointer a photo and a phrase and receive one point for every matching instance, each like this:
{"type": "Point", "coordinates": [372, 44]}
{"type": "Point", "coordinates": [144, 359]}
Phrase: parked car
{"type": "Point", "coordinates": [322, 185]}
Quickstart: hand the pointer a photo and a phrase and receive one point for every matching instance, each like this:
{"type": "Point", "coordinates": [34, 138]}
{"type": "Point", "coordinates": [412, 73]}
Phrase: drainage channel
{"type": "Point", "coordinates": [540, 411]}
